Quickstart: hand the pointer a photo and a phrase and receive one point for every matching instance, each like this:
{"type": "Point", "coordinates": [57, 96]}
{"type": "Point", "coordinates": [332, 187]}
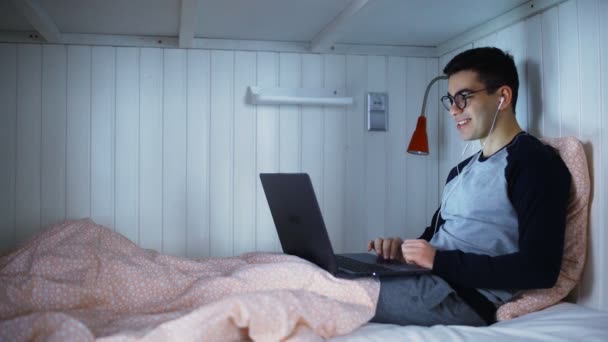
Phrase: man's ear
{"type": "Point", "coordinates": [506, 97]}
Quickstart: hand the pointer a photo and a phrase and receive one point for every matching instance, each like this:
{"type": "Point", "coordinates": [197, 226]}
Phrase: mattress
{"type": "Point", "coordinates": [562, 322]}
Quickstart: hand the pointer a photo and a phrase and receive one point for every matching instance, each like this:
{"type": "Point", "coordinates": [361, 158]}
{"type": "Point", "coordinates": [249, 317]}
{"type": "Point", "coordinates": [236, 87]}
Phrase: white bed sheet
{"type": "Point", "coordinates": [562, 322]}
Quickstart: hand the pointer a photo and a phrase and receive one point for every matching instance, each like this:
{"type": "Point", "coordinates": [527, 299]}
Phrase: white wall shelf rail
{"type": "Point", "coordinates": [299, 96]}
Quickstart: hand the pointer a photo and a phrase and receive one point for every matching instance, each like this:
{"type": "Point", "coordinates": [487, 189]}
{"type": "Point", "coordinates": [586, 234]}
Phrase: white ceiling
{"type": "Point", "coordinates": [379, 22]}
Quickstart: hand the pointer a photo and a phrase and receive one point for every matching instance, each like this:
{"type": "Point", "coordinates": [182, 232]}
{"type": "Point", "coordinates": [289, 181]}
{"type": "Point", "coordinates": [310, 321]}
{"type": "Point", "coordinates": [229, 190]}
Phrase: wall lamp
{"type": "Point", "coordinates": [419, 144]}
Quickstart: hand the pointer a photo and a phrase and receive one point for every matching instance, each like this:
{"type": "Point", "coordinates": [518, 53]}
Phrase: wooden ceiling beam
{"type": "Point", "coordinates": [328, 36]}
{"type": "Point", "coordinates": [187, 22]}
{"type": "Point", "coordinates": [39, 19]}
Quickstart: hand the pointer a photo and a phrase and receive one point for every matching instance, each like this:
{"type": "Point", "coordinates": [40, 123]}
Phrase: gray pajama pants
{"type": "Point", "coordinates": [422, 300]}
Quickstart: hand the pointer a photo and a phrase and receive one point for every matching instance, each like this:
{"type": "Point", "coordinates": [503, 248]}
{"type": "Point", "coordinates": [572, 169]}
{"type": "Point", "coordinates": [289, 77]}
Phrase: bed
{"type": "Point", "coordinates": [81, 281]}
{"type": "Point", "coordinates": [561, 322]}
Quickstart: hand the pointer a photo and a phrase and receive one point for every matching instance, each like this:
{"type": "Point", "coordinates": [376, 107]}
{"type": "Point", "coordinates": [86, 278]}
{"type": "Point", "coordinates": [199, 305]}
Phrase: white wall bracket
{"type": "Point", "coordinates": [299, 96]}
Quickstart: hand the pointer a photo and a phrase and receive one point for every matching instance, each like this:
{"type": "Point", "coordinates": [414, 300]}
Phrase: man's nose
{"type": "Point", "coordinates": [454, 110]}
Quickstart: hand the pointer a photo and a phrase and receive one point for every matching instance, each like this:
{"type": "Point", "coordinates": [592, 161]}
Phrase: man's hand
{"type": "Point", "coordinates": [418, 252]}
{"type": "Point", "coordinates": [389, 248]}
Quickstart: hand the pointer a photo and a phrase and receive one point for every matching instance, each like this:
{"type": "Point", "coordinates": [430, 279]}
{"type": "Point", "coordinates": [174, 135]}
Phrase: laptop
{"type": "Point", "coordinates": [301, 230]}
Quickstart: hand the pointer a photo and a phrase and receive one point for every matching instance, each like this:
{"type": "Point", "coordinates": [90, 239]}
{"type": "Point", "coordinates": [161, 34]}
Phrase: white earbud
{"type": "Point", "coordinates": [502, 99]}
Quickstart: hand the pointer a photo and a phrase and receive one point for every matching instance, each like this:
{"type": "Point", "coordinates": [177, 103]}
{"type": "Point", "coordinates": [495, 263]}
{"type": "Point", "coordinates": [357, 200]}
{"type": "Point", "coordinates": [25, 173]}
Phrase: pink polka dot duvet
{"type": "Point", "coordinates": [81, 281]}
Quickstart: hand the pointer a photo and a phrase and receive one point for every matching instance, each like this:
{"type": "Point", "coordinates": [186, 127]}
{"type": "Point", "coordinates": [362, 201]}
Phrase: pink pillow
{"type": "Point", "coordinates": [575, 242]}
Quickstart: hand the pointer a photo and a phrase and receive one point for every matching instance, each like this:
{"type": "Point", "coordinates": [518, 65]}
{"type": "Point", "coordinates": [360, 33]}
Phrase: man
{"type": "Point", "coordinates": [500, 226]}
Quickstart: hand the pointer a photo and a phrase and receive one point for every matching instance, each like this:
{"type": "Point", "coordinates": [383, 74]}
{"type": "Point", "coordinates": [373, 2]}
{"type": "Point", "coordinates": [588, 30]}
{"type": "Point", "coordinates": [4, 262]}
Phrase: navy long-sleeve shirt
{"type": "Point", "coordinates": [502, 221]}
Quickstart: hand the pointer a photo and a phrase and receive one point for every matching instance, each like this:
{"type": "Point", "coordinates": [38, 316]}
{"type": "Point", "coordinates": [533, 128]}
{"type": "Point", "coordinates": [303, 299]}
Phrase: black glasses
{"type": "Point", "coordinates": [460, 98]}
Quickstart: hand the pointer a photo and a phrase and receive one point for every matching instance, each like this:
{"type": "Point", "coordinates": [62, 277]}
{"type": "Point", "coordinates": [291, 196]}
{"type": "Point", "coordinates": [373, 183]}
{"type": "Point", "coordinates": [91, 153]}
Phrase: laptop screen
{"type": "Point", "coordinates": [297, 218]}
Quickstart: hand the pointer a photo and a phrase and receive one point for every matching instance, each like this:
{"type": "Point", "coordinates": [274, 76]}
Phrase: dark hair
{"type": "Point", "coordinates": [494, 67]}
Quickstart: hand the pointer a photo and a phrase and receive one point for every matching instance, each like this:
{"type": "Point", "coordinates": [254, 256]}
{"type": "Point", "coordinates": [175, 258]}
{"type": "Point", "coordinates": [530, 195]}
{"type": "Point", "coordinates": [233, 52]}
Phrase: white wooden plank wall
{"type": "Point", "coordinates": [562, 59]}
{"type": "Point", "coordinates": [53, 134]}
{"type": "Point", "coordinates": [78, 134]}
{"type": "Point", "coordinates": [334, 149]}
{"type": "Point", "coordinates": [174, 151]}
{"type": "Point", "coordinates": [151, 148]}
{"type": "Point", "coordinates": [245, 147]}
{"type": "Point", "coordinates": [127, 135]}
{"type": "Point", "coordinates": [29, 136]}
{"type": "Point", "coordinates": [161, 145]}
{"type": "Point", "coordinates": [384, 185]}
{"type": "Point", "coordinates": [267, 150]}
{"type": "Point", "coordinates": [198, 148]}
{"type": "Point", "coordinates": [221, 163]}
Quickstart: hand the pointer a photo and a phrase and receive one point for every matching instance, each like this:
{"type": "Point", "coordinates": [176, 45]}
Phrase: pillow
{"type": "Point", "coordinates": [575, 240]}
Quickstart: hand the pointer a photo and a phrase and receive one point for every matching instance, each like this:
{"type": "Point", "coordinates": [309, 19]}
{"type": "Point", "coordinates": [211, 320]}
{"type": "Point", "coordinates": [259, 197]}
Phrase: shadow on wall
{"type": "Point", "coordinates": [588, 281]}
{"type": "Point", "coordinates": [534, 98]}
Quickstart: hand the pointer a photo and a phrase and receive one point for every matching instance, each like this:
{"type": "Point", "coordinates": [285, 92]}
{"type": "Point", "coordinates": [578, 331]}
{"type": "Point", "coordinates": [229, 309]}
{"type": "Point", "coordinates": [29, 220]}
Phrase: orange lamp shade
{"type": "Point", "coordinates": [420, 142]}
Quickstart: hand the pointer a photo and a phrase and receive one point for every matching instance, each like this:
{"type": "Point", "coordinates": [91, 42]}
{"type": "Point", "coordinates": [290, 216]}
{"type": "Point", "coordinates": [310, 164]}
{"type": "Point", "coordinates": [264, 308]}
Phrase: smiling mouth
{"type": "Point", "coordinates": [462, 122]}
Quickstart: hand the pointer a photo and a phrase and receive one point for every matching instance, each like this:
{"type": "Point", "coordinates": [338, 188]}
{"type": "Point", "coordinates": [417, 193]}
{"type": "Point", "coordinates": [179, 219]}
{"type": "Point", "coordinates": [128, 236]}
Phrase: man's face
{"type": "Point", "coordinates": [475, 120]}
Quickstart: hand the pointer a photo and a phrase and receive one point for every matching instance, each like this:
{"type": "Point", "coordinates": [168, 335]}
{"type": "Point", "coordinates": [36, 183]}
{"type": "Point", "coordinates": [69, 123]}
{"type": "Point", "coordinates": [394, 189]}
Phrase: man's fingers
{"type": "Point", "coordinates": [378, 246]}
{"type": "Point", "coordinates": [395, 249]}
{"type": "Point", "coordinates": [410, 253]}
{"type": "Point", "coordinates": [407, 256]}
{"type": "Point", "coordinates": [419, 252]}
{"type": "Point", "coordinates": [414, 242]}
{"type": "Point", "coordinates": [386, 248]}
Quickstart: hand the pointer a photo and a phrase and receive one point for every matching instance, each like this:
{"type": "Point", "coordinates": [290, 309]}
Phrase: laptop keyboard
{"type": "Point", "coordinates": [358, 266]}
